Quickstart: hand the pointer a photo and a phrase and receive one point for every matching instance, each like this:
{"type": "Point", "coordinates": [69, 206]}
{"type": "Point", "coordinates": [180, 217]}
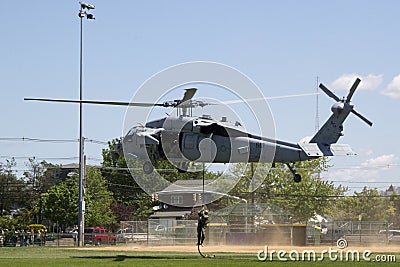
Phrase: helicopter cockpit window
{"type": "Point", "coordinates": [130, 134]}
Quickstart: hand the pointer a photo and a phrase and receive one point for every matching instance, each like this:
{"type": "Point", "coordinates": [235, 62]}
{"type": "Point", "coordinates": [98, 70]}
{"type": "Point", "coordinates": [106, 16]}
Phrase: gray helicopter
{"type": "Point", "coordinates": [185, 139]}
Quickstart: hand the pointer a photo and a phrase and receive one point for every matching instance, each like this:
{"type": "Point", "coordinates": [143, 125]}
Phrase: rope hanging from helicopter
{"type": "Point", "coordinates": [202, 223]}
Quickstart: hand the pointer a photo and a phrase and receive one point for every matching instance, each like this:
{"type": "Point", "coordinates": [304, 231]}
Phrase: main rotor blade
{"type": "Point", "coordinates": [112, 103]}
{"type": "Point", "coordinates": [189, 94]}
{"type": "Point", "coordinates": [352, 90]}
{"type": "Point", "coordinates": [328, 92]}
{"type": "Point", "coordinates": [261, 98]}
{"type": "Point", "coordinates": [362, 117]}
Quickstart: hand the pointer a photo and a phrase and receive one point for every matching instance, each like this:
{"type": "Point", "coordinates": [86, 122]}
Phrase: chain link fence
{"type": "Point", "coordinates": [171, 232]}
{"type": "Point", "coordinates": [240, 226]}
{"type": "Point", "coordinates": [354, 232]}
{"type": "Point", "coordinates": [132, 231]}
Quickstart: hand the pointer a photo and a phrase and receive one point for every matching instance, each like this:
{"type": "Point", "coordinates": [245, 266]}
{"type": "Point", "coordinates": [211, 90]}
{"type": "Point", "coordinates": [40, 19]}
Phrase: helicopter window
{"type": "Point", "coordinates": [188, 126]}
{"type": "Point", "coordinates": [214, 129]}
{"type": "Point", "coordinates": [130, 132]}
{"type": "Point", "coordinates": [189, 141]}
{"type": "Point", "coordinates": [220, 130]}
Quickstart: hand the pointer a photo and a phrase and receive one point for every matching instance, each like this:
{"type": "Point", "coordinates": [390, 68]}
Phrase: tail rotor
{"type": "Point", "coordinates": [347, 99]}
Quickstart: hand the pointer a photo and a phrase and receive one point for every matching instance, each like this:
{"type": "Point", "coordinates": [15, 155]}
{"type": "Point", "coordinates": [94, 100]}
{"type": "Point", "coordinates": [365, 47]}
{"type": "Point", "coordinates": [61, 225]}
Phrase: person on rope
{"type": "Point", "coordinates": [201, 225]}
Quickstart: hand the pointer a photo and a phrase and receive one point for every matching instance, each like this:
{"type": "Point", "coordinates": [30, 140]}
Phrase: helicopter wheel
{"type": "Point", "coordinates": [148, 167]}
{"type": "Point", "coordinates": [297, 178]}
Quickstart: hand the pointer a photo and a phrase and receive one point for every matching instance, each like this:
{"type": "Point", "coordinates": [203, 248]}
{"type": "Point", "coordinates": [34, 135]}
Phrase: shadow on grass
{"type": "Point", "coordinates": [220, 257]}
{"type": "Point", "coordinates": [143, 257]}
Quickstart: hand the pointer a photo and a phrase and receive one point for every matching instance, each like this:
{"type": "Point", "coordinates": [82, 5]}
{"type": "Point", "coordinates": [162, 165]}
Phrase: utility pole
{"type": "Point", "coordinates": [81, 201]}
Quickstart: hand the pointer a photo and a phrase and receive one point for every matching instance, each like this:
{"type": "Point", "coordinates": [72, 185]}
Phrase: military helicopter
{"type": "Point", "coordinates": [185, 139]}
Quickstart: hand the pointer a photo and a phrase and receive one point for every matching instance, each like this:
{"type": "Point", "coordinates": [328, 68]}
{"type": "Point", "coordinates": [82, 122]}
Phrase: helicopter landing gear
{"type": "Point", "coordinates": [182, 167]}
{"type": "Point", "coordinates": [148, 167]}
{"type": "Point", "coordinates": [296, 176]}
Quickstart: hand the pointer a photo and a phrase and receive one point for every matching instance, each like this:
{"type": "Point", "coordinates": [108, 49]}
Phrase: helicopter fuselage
{"type": "Point", "coordinates": [203, 139]}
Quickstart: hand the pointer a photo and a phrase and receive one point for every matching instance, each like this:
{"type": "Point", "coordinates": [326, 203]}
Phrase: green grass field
{"type": "Point", "coordinates": [50, 256]}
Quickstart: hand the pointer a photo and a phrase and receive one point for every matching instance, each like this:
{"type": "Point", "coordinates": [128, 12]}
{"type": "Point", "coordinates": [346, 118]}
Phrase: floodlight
{"type": "Point", "coordinates": [87, 6]}
{"type": "Point", "coordinates": [82, 14]}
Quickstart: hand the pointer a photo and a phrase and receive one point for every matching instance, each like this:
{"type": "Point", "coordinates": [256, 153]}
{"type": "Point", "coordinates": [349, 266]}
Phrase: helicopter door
{"type": "Point", "coordinates": [189, 146]}
{"type": "Point", "coordinates": [190, 141]}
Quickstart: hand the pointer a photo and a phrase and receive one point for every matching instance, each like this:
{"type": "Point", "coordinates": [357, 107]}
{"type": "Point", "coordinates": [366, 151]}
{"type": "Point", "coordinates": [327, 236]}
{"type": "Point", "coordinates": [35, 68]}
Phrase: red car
{"type": "Point", "coordinates": [98, 236]}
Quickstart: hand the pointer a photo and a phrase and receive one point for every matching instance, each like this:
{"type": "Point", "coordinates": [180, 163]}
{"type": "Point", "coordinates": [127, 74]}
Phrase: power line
{"type": "Point", "coordinates": [328, 196]}
{"type": "Point", "coordinates": [363, 182]}
{"type": "Point", "coordinates": [124, 185]}
{"type": "Point", "coordinates": [28, 139]}
{"type": "Point", "coordinates": [48, 158]}
{"type": "Point", "coordinates": [41, 140]}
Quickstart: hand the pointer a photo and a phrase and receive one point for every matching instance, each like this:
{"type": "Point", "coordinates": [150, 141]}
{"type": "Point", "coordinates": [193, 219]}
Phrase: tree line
{"type": "Point", "coordinates": [44, 194]}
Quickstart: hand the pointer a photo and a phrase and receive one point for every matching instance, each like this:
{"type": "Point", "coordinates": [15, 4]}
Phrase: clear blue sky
{"type": "Point", "coordinates": [282, 45]}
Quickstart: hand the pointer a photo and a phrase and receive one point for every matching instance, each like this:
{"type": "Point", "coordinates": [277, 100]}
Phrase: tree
{"type": "Point", "coordinates": [122, 211]}
{"type": "Point", "coordinates": [115, 170]}
{"type": "Point", "coordinates": [60, 203]}
{"type": "Point", "coordinates": [142, 206]}
{"type": "Point", "coordinates": [12, 196]}
{"type": "Point", "coordinates": [303, 200]}
{"type": "Point", "coordinates": [41, 176]}
{"type": "Point", "coordinates": [98, 199]}
{"type": "Point", "coordinates": [395, 217]}
{"type": "Point", "coordinates": [369, 204]}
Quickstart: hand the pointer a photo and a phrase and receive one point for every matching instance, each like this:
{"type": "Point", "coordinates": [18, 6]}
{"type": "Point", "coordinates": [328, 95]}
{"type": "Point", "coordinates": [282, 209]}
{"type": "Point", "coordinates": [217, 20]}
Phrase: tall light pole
{"type": "Point", "coordinates": [81, 201]}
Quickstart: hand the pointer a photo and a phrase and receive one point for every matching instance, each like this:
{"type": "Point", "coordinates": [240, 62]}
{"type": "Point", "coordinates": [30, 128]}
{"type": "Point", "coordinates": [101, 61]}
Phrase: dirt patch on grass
{"type": "Point", "coordinates": [239, 249]}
